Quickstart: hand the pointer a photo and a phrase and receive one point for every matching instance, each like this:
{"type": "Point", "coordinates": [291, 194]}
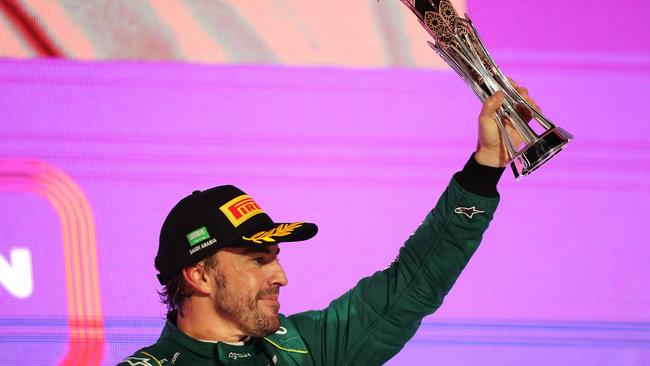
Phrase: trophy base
{"type": "Point", "coordinates": [538, 153]}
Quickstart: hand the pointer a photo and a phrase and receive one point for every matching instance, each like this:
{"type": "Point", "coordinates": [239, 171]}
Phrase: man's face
{"type": "Point", "coordinates": [247, 286]}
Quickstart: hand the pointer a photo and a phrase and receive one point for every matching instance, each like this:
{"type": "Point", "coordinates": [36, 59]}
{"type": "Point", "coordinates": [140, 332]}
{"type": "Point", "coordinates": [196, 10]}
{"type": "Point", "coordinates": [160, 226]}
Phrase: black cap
{"type": "Point", "coordinates": [224, 216]}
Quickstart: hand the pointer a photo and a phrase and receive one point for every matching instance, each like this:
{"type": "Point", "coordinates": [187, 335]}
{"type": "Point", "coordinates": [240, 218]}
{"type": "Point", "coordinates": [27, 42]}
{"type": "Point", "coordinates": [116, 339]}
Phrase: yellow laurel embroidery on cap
{"type": "Point", "coordinates": [267, 236]}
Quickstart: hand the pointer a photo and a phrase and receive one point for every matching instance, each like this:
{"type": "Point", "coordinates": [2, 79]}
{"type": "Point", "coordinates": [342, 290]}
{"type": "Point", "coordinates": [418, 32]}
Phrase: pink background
{"type": "Point", "coordinates": [561, 276]}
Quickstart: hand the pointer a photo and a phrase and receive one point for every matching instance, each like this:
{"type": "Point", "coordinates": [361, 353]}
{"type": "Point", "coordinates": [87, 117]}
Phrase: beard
{"type": "Point", "coordinates": [245, 310]}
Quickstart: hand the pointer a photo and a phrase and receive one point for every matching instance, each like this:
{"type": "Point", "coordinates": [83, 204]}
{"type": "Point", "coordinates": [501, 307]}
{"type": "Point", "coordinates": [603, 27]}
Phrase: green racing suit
{"type": "Point", "coordinates": [371, 322]}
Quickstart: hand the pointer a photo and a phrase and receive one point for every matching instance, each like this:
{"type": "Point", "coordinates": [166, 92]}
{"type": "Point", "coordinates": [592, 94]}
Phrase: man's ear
{"type": "Point", "coordinates": [198, 278]}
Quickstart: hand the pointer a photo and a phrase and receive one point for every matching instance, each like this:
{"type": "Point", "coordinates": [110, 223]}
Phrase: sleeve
{"type": "Point", "coordinates": [370, 323]}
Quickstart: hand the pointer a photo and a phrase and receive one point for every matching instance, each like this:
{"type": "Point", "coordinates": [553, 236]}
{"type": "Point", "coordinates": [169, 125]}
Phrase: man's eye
{"type": "Point", "coordinates": [259, 260]}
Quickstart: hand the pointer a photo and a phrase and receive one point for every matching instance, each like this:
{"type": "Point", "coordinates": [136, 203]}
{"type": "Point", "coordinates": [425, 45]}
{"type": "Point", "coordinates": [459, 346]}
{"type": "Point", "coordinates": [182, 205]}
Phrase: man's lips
{"type": "Point", "coordinates": [271, 299]}
{"type": "Point", "coordinates": [270, 294]}
{"type": "Point", "coordinates": [271, 303]}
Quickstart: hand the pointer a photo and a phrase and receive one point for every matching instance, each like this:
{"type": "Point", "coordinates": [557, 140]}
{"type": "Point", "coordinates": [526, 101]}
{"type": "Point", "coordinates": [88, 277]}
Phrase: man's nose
{"type": "Point", "coordinates": [278, 277]}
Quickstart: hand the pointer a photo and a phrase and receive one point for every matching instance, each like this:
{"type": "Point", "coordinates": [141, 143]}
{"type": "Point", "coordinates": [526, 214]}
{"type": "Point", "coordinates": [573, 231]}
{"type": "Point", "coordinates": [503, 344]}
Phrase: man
{"type": "Point", "coordinates": [218, 263]}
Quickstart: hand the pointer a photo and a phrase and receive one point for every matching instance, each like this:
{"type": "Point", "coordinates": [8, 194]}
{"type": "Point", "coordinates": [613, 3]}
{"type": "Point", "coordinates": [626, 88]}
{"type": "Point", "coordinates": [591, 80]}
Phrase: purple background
{"type": "Point", "coordinates": [364, 154]}
{"type": "Point", "coordinates": [561, 277]}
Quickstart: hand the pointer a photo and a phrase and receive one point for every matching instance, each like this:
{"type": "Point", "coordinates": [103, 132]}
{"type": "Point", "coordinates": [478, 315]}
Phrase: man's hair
{"type": "Point", "coordinates": [176, 290]}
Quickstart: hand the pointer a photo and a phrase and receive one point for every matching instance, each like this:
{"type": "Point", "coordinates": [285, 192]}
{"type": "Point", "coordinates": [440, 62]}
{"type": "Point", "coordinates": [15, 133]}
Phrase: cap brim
{"type": "Point", "coordinates": [276, 234]}
{"type": "Point", "coordinates": [280, 233]}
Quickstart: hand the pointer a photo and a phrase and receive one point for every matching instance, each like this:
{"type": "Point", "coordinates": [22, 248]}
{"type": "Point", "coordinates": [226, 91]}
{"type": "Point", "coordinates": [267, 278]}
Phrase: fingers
{"type": "Point", "coordinates": [514, 136]}
{"type": "Point", "coordinates": [524, 112]}
{"type": "Point", "coordinates": [520, 89]}
{"type": "Point", "coordinates": [491, 105]}
{"type": "Point", "coordinates": [524, 93]}
{"type": "Point", "coordinates": [532, 103]}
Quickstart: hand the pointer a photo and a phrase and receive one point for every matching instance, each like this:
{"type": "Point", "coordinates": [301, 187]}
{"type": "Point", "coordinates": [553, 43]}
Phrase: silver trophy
{"type": "Point", "coordinates": [458, 43]}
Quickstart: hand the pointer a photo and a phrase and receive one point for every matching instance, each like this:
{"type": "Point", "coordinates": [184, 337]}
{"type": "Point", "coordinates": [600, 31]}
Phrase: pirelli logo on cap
{"type": "Point", "coordinates": [240, 209]}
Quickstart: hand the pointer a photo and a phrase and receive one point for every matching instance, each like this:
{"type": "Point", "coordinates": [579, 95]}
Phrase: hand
{"type": "Point", "coordinates": [491, 151]}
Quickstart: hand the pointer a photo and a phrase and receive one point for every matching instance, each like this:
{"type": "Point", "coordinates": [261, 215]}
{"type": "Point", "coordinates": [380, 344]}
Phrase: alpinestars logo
{"type": "Point", "coordinates": [468, 211]}
{"type": "Point", "coordinates": [138, 361]}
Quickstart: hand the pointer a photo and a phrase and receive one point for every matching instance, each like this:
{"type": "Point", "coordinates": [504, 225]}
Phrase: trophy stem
{"type": "Point", "coordinates": [510, 147]}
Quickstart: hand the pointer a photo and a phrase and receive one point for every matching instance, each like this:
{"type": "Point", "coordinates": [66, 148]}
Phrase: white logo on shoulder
{"type": "Point", "coordinates": [281, 331]}
{"type": "Point", "coordinates": [238, 355]}
{"type": "Point", "coordinates": [468, 211]}
{"type": "Point", "coordinates": [138, 361]}
{"type": "Point", "coordinates": [176, 355]}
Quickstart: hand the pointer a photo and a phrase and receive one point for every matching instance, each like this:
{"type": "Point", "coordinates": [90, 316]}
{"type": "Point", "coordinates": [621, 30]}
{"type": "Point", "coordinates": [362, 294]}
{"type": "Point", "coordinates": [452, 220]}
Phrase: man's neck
{"type": "Point", "coordinates": [206, 324]}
